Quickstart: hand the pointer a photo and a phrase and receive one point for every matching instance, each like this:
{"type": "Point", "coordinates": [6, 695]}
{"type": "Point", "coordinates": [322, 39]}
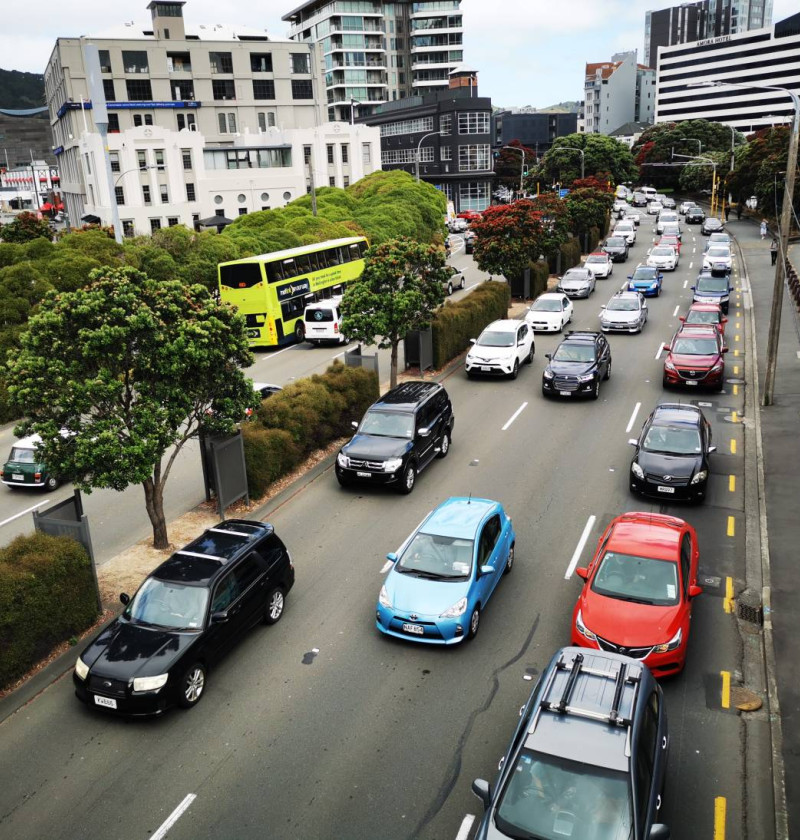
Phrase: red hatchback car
{"type": "Point", "coordinates": [696, 358]}
{"type": "Point", "coordinates": [671, 240]}
{"type": "Point", "coordinates": [706, 313]}
{"type": "Point", "coordinates": [638, 591]}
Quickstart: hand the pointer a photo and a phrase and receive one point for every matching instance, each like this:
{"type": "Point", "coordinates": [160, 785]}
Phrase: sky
{"type": "Point", "coordinates": [526, 52]}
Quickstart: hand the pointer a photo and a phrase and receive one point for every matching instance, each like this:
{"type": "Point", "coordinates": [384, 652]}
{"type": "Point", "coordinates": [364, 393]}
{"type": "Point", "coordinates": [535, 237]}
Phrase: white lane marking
{"type": "Point", "coordinates": [691, 264]}
{"type": "Point", "coordinates": [466, 825]}
{"type": "Point", "coordinates": [633, 417]}
{"type": "Point", "coordinates": [685, 283]}
{"type": "Point", "coordinates": [677, 309]}
{"type": "Point", "coordinates": [349, 347]}
{"type": "Point", "coordinates": [174, 817]}
{"type": "Point", "coordinates": [579, 547]}
{"type": "Point", "coordinates": [514, 416]}
{"type": "Point", "coordinates": [660, 348]}
{"type": "Point", "coordinates": [22, 513]}
{"type": "Point", "coordinates": [694, 250]}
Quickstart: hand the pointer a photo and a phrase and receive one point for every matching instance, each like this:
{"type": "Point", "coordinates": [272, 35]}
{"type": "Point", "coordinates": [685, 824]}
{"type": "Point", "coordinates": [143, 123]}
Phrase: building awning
{"type": "Point", "coordinates": [90, 219]}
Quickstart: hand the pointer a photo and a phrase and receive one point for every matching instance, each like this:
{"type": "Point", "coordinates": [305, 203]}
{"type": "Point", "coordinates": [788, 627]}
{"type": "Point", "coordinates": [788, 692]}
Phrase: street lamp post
{"type": "Point", "coordinates": [521, 164]}
{"type": "Point", "coordinates": [708, 162]}
{"type": "Point", "coordinates": [783, 231]}
{"type": "Point", "coordinates": [695, 140]}
{"type": "Point", "coordinates": [573, 149]}
{"type": "Point", "coordinates": [353, 103]}
{"type": "Point", "coordinates": [416, 156]}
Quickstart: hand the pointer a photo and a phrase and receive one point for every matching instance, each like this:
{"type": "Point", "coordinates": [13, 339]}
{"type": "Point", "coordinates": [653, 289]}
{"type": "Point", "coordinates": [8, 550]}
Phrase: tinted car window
{"type": "Point", "coordinates": [491, 531]}
{"type": "Point", "coordinates": [247, 572]}
{"type": "Point", "coordinates": [686, 559]}
{"type": "Point", "coordinates": [225, 593]}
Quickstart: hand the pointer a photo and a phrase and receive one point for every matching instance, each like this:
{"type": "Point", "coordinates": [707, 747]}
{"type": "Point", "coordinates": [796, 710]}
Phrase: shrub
{"type": "Point", "coordinates": [269, 454]}
{"type": "Point", "coordinates": [594, 238]}
{"type": "Point", "coordinates": [570, 253]}
{"type": "Point", "coordinates": [540, 274]}
{"type": "Point", "coordinates": [47, 595]}
{"type": "Point", "coordinates": [454, 324]}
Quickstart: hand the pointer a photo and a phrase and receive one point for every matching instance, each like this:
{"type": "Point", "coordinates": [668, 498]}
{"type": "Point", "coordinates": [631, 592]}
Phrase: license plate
{"type": "Point", "coordinates": [565, 393]}
{"type": "Point", "coordinates": [690, 382]}
{"type": "Point", "coordinates": [108, 702]}
{"type": "Point", "coordinates": [18, 477]}
{"type": "Point", "coordinates": [666, 489]}
{"type": "Point", "coordinates": [364, 475]}
{"type": "Point", "coordinates": [416, 629]}
{"type": "Point", "coordinates": [485, 367]}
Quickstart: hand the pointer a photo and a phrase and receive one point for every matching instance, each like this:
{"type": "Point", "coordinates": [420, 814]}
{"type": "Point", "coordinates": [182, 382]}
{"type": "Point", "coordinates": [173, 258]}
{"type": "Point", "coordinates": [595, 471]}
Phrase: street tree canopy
{"type": "Point", "coordinates": [761, 170]}
{"type": "Point", "coordinates": [24, 228]}
{"type": "Point", "coordinates": [588, 204]}
{"type": "Point", "coordinates": [133, 368]}
{"type": "Point", "coordinates": [402, 284]}
{"type": "Point", "coordinates": [510, 165]}
{"type": "Point", "coordinates": [604, 156]}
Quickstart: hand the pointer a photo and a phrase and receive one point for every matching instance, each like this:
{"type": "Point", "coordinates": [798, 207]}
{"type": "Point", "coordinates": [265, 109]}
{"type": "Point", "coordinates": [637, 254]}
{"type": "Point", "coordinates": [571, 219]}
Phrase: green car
{"type": "Point", "coordinates": [24, 469]}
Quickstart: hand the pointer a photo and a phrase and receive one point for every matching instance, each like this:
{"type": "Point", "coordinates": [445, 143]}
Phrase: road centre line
{"type": "Point", "coordinates": [633, 417]}
{"type": "Point", "coordinates": [725, 701]}
{"type": "Point", "coordinates": [720, 808]}
{"type": "Point", "coordinates": [466, 825]}
{"type": "Point", "coordinates": [174, 817]}
{"type": "Point", "coordinates": [677, 310]}
{"type": "Point", "coordinates": [691, 264]}
{"type": "Point", "coordinates": [22, 513]}
{"type": "Point", "coordinates": [514, 416]}
{"type": "Point", "coordinates": [580, 546]}
{"type": "Point", "coordinates": [660, 348]}
{"type": "Point", "coordinates": [685, 282]}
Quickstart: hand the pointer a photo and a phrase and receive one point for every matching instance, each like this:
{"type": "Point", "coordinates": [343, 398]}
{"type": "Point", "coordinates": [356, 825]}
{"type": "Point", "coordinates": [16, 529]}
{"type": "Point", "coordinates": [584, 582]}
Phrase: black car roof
{"type": "Point", "coordinates": [677, 414]}
{"type": "Point", "coordinates": [408, 395]}
{"type": "Point", "coordinates": [581, 335]}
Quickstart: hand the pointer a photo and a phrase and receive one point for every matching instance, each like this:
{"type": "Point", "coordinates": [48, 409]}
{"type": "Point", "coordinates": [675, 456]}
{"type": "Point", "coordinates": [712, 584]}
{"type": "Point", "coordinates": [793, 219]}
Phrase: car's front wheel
{"type": "Point", "coordinates": [409, 479]}
{"type": "Point", "coordinates": [449, 289]}
{"type": "Point", "coordinates": [276, 602]}
{"type": "Point", "coordinates": [608, 372]}
{"type": "Point", "coordinates": [515, 369]}
{"type": "Point", "coordinates": [474, 622]}
{"type": "Point", "coordinates": [193, 684]}
{"type": "Point", "coordinates": [463, 282]}
{"type": "Point", "coordinates": [509, 560]}
{"type": "Point", "coordinates": [529, 359]}
{"type": "Point", "coordinates": [444, 445]}
{"type": "Point", "coordinates": [596, 390]}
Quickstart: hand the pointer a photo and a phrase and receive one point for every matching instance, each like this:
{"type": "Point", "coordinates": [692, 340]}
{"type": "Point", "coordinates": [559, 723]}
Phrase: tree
{"type": "Point", "coordinates": [603, 156]}
{"type": "Point", "coordinates": [588, 204]}
{"type": "Point", "coordinates": [133, 367]}
{"type": "Point", "coordinates": [24, 228]}
{"type": "Point", "coordinates": [699, 175]}
{"type": "Point", "coordinates": [508, 165]}
{"type": "Point", "coordinates": [402, 283]}
{"type": "Point", "coordinates": [761, 170]}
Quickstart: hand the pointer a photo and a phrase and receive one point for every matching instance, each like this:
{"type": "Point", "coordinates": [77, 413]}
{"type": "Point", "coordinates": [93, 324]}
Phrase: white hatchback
{"type": "Point", "coordinates": [501, 349]}
{"type": "Point", "coordinates": [626, 229]}
{"type": "Point", "coordinates": [550, 312]}
{"type": "Point", "coordinates": [717, 256]}
{"type": "Point", "coordinates": [664, 257]}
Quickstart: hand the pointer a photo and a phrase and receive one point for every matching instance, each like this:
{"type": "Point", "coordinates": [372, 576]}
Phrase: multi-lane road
{"type": "Point", "coordinates": [321, 728]}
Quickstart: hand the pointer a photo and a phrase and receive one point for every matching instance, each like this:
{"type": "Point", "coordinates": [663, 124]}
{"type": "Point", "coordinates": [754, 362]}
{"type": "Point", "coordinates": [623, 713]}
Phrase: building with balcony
{"type": "Point", "coordinates": [375, 52]}
{"type": "Point", "coordinates": [218, 80]}
{"type": "Point", "coordinates": [534, 129]}
{"type": "Point", "coordinates": [617, 92]}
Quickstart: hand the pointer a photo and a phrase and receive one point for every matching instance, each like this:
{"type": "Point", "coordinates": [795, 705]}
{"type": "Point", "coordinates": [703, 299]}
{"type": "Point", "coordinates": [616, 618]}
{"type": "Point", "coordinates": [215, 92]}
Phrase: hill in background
{"type": "Point", "coordinates": [21, 90]}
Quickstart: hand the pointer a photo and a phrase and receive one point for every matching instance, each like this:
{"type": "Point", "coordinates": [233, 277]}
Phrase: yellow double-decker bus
{"type": "Point", "coordinates": [273, 290]}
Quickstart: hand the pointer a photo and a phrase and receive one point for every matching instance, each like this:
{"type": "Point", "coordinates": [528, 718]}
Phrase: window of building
{"type": "Point", "coordinates": [223, 89]}
{"type": "Point", "coordinates": [266, 120]}
{"type": "Point", "coordinates": [187, 121]}
{"type": "Point", "coordinates": [346, 181]}
{"type": "Point", "coordinates": [446, 124]}
{"type": "Point", "coordinates": [164, 193]}
{"type": "Point", "coordinates": [221, 62]}
{"type": "Point", "coordinates": [127, 228]}
{"type": "Point", "coordinates": [302, 89]}
{"type": "Point", "coordinates": [445, 153]}
{"type": "Point", "coordinates": [260, 62]}
{"type": "Point", "coordinates": [172, 221]}
{"type": "Point", "coordinates": [108, 90]}
{"type": "Point", "coordinates": [182, 90]}
{"type": "Point", "coordinates": [141, 157]}
{"type": "Point", "coordinates": [139, 90]}
{"type": "Point", "coordinates": [142, 119]}
{"type": "Point", "coordinates": [105, 61]}
{"type": "Point", "coordinates": [159, 156]}
{"type": "Point", "coordinates": [366, 153]}
{"type": "Point", "coordinates": [473, 195]}
{"type": "Point", "coordinates": [473, 158]}
{"type": "Point", "coordinates": [146, 194]}
{"type": "Point", "coordinates": [306, 155]}
{"type": "Point", "coordinates": [113, 123]}
{"type": "Point", "coordinates": [426, 155]}
{"type": "Point", "coordinates": [345, 153]}
{"type": "Point", "coordinates": [473, 123]}
{"type": "Point", "coordinates": [134, 61]}
{"type": "Point", "coordinates": [190, 193]}
{"type": "Point", "coordinates": [242, 211]}
{"type": "Point", "coordinates": [263, 89]}
{"type": "Point", "coordinates": [331, 158]}
{"type": "Point", "coordinates": [155, 224]}
{"type": "Point", "coordinates": [227, 123]}
{"type": "Point", "coordinates": [332, 181]}
{"type": "Point", "coordinates": [119, 193]}
{"type": "Point", "coordinates": [407, 127]}
{"type": "Point", "coordinates": [179, 62]}
{"type": "Point", "coordinates": [186, 157]}
{"type": "Point", "coordinates": [114, 159]}
{"type": "Point", "coordinates": [301, 62]}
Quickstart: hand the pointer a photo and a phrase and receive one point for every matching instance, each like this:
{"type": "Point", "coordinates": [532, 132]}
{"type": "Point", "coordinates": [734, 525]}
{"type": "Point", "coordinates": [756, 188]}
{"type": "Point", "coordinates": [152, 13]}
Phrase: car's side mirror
{"type": "Point", "coordinates": [693, 288]}
{"type": "Point", "coordinates": [125, 598]}
{"type": "Point", "coordinates": [659, 831]}
{"type": "Point", "coordinates": [353, 424]}
{"type": "Point", "coordinates": [473, 340]}
{"type": "Point", "coordinates": [724, 349]}
{"type": "Point", "coordinates": [603, 306]}
{"type": "Point", "coordinates": [633, 441]}
{"type": "Point", "coordinates": [695, 590]}
{"type": "Point", "coordinates": [482, 789]}
{"type": "Point", "coordinates": [219, 617]}
{"type": "Point", "coordinates": [630, 277]}
{"type": "Point", "coordinates": [391, 556]}
{"type": "Point", "coordinates": [423, 433]}
{"type": "Point", "coordinates": [682, 318]}
{"type": "Point", "coordinates": [724, 321]}
{"type": "Point", "coordinates": [582, 572]}
{"type": "Point", "coordinates": [548, 355]}
{"type": "Point", "coordinates": [487, 570]}
{"type": "Point", "coordinates": [711, 449]}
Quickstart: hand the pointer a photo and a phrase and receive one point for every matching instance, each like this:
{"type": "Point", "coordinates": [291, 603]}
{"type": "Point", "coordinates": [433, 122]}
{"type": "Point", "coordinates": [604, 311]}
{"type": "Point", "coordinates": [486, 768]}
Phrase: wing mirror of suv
{"type": "Point", "coordinates": [659, 831]}
{"type": "Point", "coordinates": [391, 556]}
{"type": "Point", "coordinates": [695, 590]}
{"type": "Point", "coordinates": [724, 350]}
{"type": "Point", "coordinates": [682, 319]}
{"type": "Point", "coordinates": [724, 321]}
{"type": "Point", "coordinates": [125, 598]}
{"type": "Point", "coordinates": [473, 340]}
{"type": "Point", "coordinates": [423, 433]}
{"type": "Point", "coordinates": [711, 449]}
{"type": "Point", "coordinates": [548, 355]}
{"type": "Point", "coordinates": [219, 617]}
{"type": "Point", "coordinates": [633, 441]}
{"type": "Point", "coordinates": [481, 789]}
{"type": "Point", "coordinates": [693, 288]}
{"type": "Point", "coordinates": [582, 572]}
{"type": "Point", "coordinates": [630, 277]}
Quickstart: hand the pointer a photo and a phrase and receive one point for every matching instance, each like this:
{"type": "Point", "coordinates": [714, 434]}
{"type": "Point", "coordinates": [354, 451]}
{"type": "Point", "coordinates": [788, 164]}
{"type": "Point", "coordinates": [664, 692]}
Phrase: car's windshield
{"type": "Point", "coordinates": [164, 603]}
{"type": "Point", "coordinates": [701, 317]}
{"type": "Point", "coordinates": [623, 304]}
{"type": "Point", "coordinates": [719, 251]}
{"type": "Point", "coordinates": [615, 241]}
{"type": "Point", "coordinates": [497, 338]}
{"type": "Point", "coordinates": [572, 274]}
{"type": "Point", "coordinates": [719, 237]}
{"type": "Point", "coordinates": [22, 455]}
{"type": "Point", "coordinates": [644, 274]}
{"type": "Point", "coordinates": [712, 284]}
{"type": "Point", "coordinates": [695, 346]}
{"type": "Point", "coordinates": [397, 424]}
{"type": "Point", "coordinates": [546, 305]}
{"type": "Point", "coordinates": [640, 579]}
{"type": "Point", "coordinates": [573, 352]}
{"type": "Point", "coordinates": [671, 229]}
{"type": "Point", "coordinates": [596, 258]}
{"type": "Point", "coordinates": [662, 252]}
{"type": "Point", "coordinates": [672, 440]}
{"type": "Point", "coordinates": [550, 798]}
{"type": "Point", "coordinates": [437, 557]}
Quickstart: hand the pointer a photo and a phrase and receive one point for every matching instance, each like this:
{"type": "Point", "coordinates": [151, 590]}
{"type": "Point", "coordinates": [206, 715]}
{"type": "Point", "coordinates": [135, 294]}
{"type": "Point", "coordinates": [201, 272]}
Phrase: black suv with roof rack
{"type": "Point", "coordinates": [579, 363]}
{"type": "Point", "coordinates": [186, 615]}
{"type": "Point", "coordinates": [398, 437]}
{"type": "Point", "coordinates": [588, 758]}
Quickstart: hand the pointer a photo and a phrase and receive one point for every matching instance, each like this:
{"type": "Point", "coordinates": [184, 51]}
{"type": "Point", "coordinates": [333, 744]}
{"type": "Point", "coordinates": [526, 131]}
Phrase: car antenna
{"type": "Point", "coordinates": [469, 498]}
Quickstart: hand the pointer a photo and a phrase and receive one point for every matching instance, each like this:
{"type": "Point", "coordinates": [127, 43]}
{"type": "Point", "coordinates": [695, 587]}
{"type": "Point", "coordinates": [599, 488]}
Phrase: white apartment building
{"type": "Point", "coordinates": [375, 52]}
{"type": "Point", "coordinates": [163, 177]}
{"type": "Point", "coordinates": [217, 80]}
{"type": "Point", "coordinates": [617, 92]}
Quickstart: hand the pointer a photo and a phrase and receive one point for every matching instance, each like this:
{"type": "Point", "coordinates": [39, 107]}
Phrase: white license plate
{"type": "Point", "coordinates": [485, 367]}
{"type": "Point", "coordinates": [666, 489]}
{"type": "Point", "coordinates": [565, 393]}
{"type": "Point", "coordinates": [364, 475]}
{"type": "Point", "coordinates": [17, 477]}
{"type": "Point", "coordinates": [691, 382]}
{"type": "Point", "coordinates": [416, 629]}
{"type": "Point", "coordinates": [108, 702]}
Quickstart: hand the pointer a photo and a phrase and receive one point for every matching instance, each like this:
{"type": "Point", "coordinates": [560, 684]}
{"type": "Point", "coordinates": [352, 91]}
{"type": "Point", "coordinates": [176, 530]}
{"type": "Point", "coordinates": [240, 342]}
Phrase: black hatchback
{"type": "Point", "coordinates": [184, 618]}
{"type": "Point", "coordinates": [576, 368]}
{"type": "Point", "coordinates": [617, 248]}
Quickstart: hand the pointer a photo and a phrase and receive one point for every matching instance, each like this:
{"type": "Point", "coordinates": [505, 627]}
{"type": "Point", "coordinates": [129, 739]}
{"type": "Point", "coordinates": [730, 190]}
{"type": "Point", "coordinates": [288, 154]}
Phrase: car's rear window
{"type": "Point", "coordinates": [22, 455]}
{"type": "Point", "coordinates": [319, 315]}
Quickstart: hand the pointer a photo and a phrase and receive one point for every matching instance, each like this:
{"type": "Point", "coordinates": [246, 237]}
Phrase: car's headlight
{"type": "Point", "coordinates": [586, 377]}
{"type": "Point", "coordinates": [383, 598]}
{"type": "Point", "coordinates": [672, 644]}
{"type": "Point", "coordinates": [718, 366]}
{"type": "Point", "coordinates": [342, 460]}
{"type": "Point", "coordinates": [81, 669]}
{"type": "Point", "coordinates": [669, 366]}
{"type": "Point", "coordinates": [637, 470]}
{"type": "Point", "coordinates": [583, 629]}
{"type": "Point", "coordinates": [150, 683]}
{"type": "Point", "coordinates": [654, 284]}
{"type": "Point", "coordinates": [459, 608]}
{"type": "Point", "coordinates": [548, 374]}
{"type": "Point", "coordinates": [700, 476]}
{"type": "Point", "coordinates": [392, 465]}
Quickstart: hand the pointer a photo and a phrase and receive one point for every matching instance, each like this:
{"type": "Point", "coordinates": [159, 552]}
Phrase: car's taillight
{"type": "Point", "coordinates": [336, 327]}
{"type": "Point", "coordinates": [37, 476]}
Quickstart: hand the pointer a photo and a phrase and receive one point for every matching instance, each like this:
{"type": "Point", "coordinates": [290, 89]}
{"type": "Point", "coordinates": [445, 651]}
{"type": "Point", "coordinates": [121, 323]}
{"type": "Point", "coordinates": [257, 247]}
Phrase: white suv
{"type": "Point", "coordinates": [323, 321]}
{"type": "Point", "coordinates": [501, 349]}
{"type": "Point", "coordinates": [626, 229]}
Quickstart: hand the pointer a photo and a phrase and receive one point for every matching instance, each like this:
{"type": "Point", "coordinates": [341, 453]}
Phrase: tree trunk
{"type": "Point", "coordinates": [154, 502]}
{"type": "Point", "coordinates": [393, 365]}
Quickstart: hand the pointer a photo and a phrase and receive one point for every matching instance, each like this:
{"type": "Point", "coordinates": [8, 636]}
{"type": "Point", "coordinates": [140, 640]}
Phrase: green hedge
{"type": "Point", "coordinates": [304, 416]}
{"type": "Point", "coordinates": [454, 324]}
{"type": "Point", "coordinates": [594, 238]}
{"type": "Point", "coordinates": [47, 595]}
{"type": "Point", "coordinates": [540, 274]}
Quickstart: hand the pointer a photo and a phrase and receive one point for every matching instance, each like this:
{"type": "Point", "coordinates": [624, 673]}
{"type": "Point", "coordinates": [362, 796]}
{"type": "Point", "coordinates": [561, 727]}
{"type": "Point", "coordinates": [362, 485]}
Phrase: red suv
{"type": "Point", "coordinates": [638, 591]}
{"type": "Point", "coordinates": [705, 313]}
{"type": "Point", "coordinates": [696, 357]}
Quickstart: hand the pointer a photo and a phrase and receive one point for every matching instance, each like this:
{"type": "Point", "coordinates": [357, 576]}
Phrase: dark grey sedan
{"type": "Point", "coordinates": [577, 283]}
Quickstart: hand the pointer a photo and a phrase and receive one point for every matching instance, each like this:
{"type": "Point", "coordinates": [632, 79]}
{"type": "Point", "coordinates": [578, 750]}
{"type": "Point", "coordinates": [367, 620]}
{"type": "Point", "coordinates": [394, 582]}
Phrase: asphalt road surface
{"type": "Point", "coordinates": [320, 728]}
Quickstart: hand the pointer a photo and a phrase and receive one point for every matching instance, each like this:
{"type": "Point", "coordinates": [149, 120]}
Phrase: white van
{"type": "Point", "coordinates": [323, 321]}
{"type": "Point", "coordinates": [649, 192]}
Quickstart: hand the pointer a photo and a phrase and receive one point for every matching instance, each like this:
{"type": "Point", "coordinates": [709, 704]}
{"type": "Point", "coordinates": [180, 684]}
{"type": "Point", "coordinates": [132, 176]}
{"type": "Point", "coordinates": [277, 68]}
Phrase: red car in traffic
{"type": "Point", "coordinates": [705, 313]}
{"type": "Point", "coordinates": [668, 239]}
{"type": "Point", "coordinates": [638, 591]}
{"type": "Point", "coordinates": [696, 358]}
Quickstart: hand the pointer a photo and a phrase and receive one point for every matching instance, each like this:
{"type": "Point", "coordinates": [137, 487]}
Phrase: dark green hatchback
{"type": "Point", "coordinates": [24, 468]}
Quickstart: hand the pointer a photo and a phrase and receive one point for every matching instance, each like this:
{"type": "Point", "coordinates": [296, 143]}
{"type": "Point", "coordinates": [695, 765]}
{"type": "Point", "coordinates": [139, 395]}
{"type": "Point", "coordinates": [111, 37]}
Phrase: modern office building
{"type": "Point", "coordinates": [214, 79]}
{"type": "Point", "coordinates": [376, 52]}
{"type": "Point", "coordinates": [617, 92]}
{"type": "Point", "coordinates": [447, 135]}
{"type": "Point", "coordinates": [534, 129]}
{"type": "Point", "coordinates": [697, 21]}
{"type": "Point", "coordinates": [769, 56]}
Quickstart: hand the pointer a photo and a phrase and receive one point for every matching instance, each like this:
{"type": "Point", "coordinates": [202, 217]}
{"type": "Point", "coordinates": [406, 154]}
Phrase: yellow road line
{"type": "Point", "coordinates": [726, 701]}
{"type": "Point", "coordinates": [732, 483]}
{"type": "Point", "coordinates": [731, 526]}
{"type": "Point", "coordinates": [733, 446]}
{"type": "Point", "coordinates": [734, 417]}
{"type": "Point", "coordinates": [736, 370]}
{"type": "Point", "coordinates": [727, 603]}
{"type": "Point", "coordinates": [738, 338]}
{"type": "Point", "coordinates": [720, 807]}
{"type": "Point", "coordinates": [738, 325]}
{"type": "Point", "coordinates": [735, 352]}
{"type": "Point", "coordinates": [735, 390]}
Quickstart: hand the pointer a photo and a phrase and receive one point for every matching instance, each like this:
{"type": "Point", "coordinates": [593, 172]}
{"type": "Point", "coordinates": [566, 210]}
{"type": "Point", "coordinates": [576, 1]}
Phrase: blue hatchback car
{"type": "Point", "coordinates": [646, 280]}
{"type": "Point", "coordinates": [446, 571]}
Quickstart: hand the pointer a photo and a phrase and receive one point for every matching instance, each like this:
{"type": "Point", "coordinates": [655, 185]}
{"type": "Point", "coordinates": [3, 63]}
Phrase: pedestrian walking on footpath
{"type": "Point", "coordinates": [763, 228]}
{"type": "Point", "coordinates": [727, 212]}
{"type": "Point", "coordinates": [773, 250]}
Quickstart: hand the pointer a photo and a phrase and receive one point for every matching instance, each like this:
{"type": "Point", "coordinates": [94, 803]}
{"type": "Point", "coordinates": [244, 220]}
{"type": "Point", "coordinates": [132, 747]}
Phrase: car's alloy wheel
{"type": "Point", "coordinates": [276, 601]}
{"type": "Point", "coordinates": [444, 445]}
{"type": "Point", "coordinates": [192, 686]}
{"type": "Point", "coordinates": [300, 331]}
{"type": "Point", "coordinates": [51, 483]}
{"type": "Point", "coordinates": [608, 372]}
{"type": "Point", "coordinates": [449, 289]}
{"type": "Point", "coordinates": [529, 360]}
{"type": "Point", "coordinates": [409, 479]}
{"type": "Point", "coordinates": [596, 391]}
{"type": "Point", "coordinates": [474, 623]}
{"type": "Point", "coordinates": [515, 369]}
{"type": "Point", "coordinates": [509, 560]}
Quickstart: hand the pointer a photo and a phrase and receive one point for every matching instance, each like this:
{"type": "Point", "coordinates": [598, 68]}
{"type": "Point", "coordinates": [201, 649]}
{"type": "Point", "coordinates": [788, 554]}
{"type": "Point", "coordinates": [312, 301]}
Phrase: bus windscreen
{"type": "Point", "coordinates": [240, 275]}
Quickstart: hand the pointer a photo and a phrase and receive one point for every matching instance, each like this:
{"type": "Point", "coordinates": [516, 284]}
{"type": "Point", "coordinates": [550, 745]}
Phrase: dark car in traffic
{"type": "Point", "coordinates": [671, 458]}
{"type": "Point", "coordinates": [713, 286]}
{"type": "Point", "coordinates": [184, 618]}
{"type": "Point", "coordinates": [577, 366]}
{"type": "Point", "coordinates": [616, 247]}
{"type": "Point", "coordinates": [696, 358]}
{"type": "Point", "coordinates": [711, 225]}
{"type": "Point", "coordinates": [588, 757]}
{"type": "Point", "coordinates": [695, 215]}
{"type": "Point", "coordinates": [398, 437]}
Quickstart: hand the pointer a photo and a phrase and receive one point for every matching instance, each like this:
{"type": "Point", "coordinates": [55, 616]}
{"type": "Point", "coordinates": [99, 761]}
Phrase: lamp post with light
{"type": "Point", "coordinates": [416, 156]}
{"type": "Point", "coordinates": [521, 164]}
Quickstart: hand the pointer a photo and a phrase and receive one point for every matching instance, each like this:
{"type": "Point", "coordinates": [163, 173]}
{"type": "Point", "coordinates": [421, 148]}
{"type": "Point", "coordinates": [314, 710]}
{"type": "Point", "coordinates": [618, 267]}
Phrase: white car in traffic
{"type": "Point", "coordinates": [501, 349]}
{"type": "Point", "coordinates": [626, 229]}
{"type": "Point", "coordinates": [550, 312]}
{"type": "Point", "coordinates": [717, 256]}
{"type": "Point", "coordinates": [599, 263]}
{"type": "Point", "coordinates": [664, 257]}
